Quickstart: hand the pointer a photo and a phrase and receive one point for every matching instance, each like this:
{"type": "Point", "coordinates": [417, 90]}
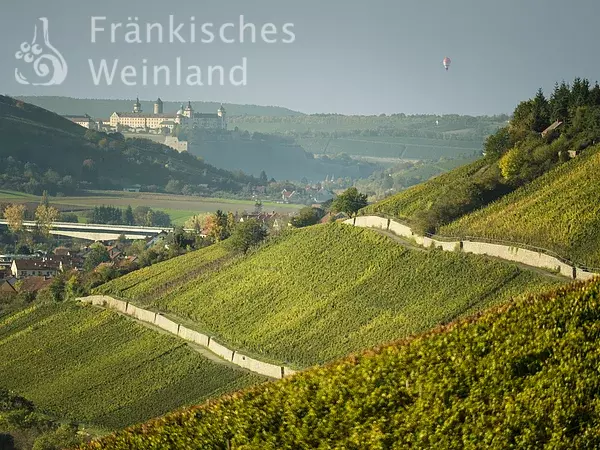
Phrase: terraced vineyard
{"type": "Point", "coordinates": [522, 376]}
{"type": "Point", "coordinates": [153, 281]}
{"type": "Point", "coordinates": [559, 211]}
{"type": "Point", "coordinates": [418, 198]}
{"type": "Point", "coordinates": [329, 290]}
{"type": "Point", "coordinates": [93, 366]}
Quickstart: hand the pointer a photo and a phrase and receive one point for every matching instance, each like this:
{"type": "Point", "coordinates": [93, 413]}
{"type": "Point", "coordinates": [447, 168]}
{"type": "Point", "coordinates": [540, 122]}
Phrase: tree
{"type": "Point", "coordinates": [306, 217]}
{"type": "Point", "coordinates": [247, 234]}
{"type": "Point", "coordinates": [560, 102]}
{"type": "Point", "coordinates": [57, 289]}
{"type": "Point", "coordinates": [140, 214]}
{"type": "Point", "coordinates": [160, 219]}
{"type": "Point", "coordinates": [196, 223]}
{"type": "Point", "coordinates": [263, 177]}
{"type": "Point", "coordinates": [350, 202]}
{"type": "Point", "coordinates": [511, 163]}
{"type": "Point", "coordinates": [14, 216]}
{"type": "Point", "coordinates": [173, 187]}
{"type": "Point", "coordinates": [97, 255]}
{"type": "Point", "coordinates": [216, 226]}
{"type": "Point", "coordinates": [44, 217]}
{"type": "Point", "coordinates": [541, 112]}
{"type": "Point", "coordinates": [44, 201]}
{"type": "Point", "coordinates": [498, 143]}
{"type": "Point", "coordinates": [128, 218]}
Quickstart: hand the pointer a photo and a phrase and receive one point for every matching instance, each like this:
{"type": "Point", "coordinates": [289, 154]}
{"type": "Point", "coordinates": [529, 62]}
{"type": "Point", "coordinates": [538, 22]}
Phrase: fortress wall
{"type": "Point", "coordinates": [166, 324]}
{"type": "Point", "coordinates": [269, 370]}
{"type": "Point", "coordinates": [220, 350]}
{"type": "Point", "coordinates": [193, 336]}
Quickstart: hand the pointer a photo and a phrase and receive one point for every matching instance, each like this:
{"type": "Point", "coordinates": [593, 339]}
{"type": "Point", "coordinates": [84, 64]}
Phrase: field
{"type": "Point", "coordinates": [95, 367]}
{"type": "Point", "coordinates": [559, 211]}
{"type": "Point", "coordinates": [308, 298]}
{"type": "Point", "coordinates": [179, 207]}
{"type": "Point", "coordinates": [524, 375]}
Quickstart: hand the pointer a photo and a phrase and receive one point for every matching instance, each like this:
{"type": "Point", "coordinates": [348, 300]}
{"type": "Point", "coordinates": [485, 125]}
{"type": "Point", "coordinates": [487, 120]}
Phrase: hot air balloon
{"type": "Point", "coordinates": [446, 62]}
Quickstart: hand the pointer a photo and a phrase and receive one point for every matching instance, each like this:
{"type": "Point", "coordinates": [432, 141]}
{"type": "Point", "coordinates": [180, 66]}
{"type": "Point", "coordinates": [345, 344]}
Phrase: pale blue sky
{"type": "Point", "coordinates": [351, 57]}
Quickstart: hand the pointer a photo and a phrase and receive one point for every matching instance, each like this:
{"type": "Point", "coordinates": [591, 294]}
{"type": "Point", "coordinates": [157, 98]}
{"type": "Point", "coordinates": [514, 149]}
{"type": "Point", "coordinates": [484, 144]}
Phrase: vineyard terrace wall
{"type": "Point", "coordinates": [509, 253]}
{"type": "Point", "coordinates": [241, 360]}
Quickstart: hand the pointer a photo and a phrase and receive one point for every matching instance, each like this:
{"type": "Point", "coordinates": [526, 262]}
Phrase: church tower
{"type": "Point", "coordinates": [158, 106]}
{"type": "Point", "coordinates": [137, 106]}
{"type": "Point", "coordinates": [189, 111]}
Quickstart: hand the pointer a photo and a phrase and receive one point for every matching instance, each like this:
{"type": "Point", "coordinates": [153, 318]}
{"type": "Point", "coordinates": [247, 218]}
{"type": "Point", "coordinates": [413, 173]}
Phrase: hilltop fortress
{"type": "Point", "coordinates": [186, 117]}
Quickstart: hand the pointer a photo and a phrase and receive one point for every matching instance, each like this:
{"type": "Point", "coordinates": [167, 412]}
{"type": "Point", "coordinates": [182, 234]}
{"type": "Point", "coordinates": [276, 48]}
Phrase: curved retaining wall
{"type": "Point", "coordinates": [516, 254]}
{"type": "Point", "coordinates": [251, 364]}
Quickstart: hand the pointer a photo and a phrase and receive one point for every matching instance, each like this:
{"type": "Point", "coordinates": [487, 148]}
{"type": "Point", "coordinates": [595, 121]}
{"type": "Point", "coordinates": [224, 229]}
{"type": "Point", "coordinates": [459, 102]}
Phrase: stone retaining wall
{"type": "Point", "coordinates": [254, 365]}
{"type": "Point", "coordinates": [516, 254]}
{"type": "Point", "coordinates": [193, 336]}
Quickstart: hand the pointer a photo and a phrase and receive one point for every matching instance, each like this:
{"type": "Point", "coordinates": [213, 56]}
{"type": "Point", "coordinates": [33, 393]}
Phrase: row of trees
{"type": "Point", "coordinates": [141, 215]}
{"type": "Point", "coordinates": [45, 215]}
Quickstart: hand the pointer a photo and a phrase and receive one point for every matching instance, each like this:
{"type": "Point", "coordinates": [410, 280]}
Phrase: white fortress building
{"type": "Point", "coordinates": [186, 117]}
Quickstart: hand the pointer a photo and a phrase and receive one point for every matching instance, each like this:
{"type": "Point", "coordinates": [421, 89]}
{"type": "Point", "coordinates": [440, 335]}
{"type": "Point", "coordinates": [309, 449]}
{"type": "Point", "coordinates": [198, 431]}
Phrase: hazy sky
{"type": "Point", "coordinates": [348, 56]}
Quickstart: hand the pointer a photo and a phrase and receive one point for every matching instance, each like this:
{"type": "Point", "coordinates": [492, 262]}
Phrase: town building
{"type": "Point", "coordinates": [23, 268]}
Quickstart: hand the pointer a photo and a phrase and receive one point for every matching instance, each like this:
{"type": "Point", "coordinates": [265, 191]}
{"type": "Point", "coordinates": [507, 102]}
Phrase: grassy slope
{"type": "Point", "coordinates": [325, 291]}
{"type": "Point", "coordinates": [523, 376]}
{"type": "Point", "coordinates": [93, 366]}
{"type": "Point", "coordinates": [405, 204]}
{"type": "Point", "coordinates": [559, 211]}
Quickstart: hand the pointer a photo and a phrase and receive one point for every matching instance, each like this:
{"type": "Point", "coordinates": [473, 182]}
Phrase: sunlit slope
{"type": "Point", "coordinates": [325, 291]}
{"type": "Point", "coordinates": [405, 204]}
{"type": "Point", "coordinates": [523, 376]}
{"type": "Point", "coordinates": [93, 366]}
{"type": "Point", "coordinates": [559, 211]}
{"type": "Point", "coordinates": [153, 281]}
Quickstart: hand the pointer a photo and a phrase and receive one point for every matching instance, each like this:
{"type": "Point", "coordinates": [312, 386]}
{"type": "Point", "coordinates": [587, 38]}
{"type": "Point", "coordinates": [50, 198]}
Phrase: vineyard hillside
{"type": "Point", "coordinates": [95, 367]}
{"type": "Point", "coordinates": [524, 375]}
{"type": "Point", "coordinates": [406, 204]}
{"type": "Point", "coordinates": [323, 292]}
{"type": "Point", "coordinates": [559, 211]}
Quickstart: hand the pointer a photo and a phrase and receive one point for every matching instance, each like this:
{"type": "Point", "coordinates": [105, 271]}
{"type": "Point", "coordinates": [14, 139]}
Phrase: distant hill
{"type": "Point", "coordinates": [103, 108]}
{"type": "Point", "coordinates": [524, 375]}
{"type": "Point", "coordinates": [426, 137]}
{"type": "Point", "coordinates": [41, 150]}
{"type": "Point", "coordinates": [323, 292]}
{"type": "Point", "coordinates": [280, 157]}
{"type": "Point", "coordinates": [95, 367]}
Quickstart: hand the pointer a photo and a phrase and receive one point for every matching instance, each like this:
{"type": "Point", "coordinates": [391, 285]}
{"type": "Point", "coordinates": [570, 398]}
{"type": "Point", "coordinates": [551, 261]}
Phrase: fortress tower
{"type": "Point", "coordinates": [158, 106]}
